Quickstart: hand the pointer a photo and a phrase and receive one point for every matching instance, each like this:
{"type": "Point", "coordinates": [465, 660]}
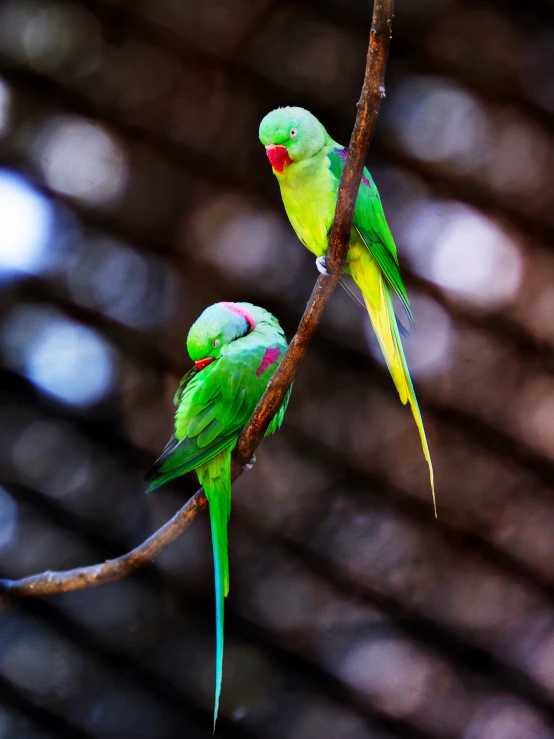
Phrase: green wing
{"type": "Point", "coordinates": [214, 405]}
{"type": "Point", "coordinates": [185, 379]}
{"type": "Point", "coordinates": [372, 226]}
{"type": "Point", "coordinates": [277, 419]}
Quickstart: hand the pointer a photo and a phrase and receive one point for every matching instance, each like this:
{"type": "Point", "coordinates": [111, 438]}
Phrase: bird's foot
{"type": "Point", "coordinates": [321, 265]}
{"type": "Point", "coordinates": [250, 463]}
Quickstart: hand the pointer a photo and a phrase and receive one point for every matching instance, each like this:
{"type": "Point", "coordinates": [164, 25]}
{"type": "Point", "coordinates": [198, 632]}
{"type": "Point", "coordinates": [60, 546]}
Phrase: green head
{"type": "Point", "coordinates": [291, 135]}
{"type": "Point", "coordinates": [215, 329]}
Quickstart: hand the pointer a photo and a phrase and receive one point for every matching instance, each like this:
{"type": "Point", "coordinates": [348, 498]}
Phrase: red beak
{"type": "Point", "coordinates": [278, 156]}
{"type": "Point", "coordinates": [201, 363]}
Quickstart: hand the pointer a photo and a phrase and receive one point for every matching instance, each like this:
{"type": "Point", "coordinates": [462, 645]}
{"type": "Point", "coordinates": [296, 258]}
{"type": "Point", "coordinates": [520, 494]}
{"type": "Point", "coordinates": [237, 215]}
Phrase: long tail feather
{"type": "Point", "coordinates": [215, 476]}
{"type": "Point", "coordinates": [379, 306]}
{"type": "Point", "coordinates": [342, 282]}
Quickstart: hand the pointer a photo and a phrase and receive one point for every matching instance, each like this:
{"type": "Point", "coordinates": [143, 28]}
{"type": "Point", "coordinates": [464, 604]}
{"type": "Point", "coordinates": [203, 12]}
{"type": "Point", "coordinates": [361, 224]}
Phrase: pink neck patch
{"type": "Point", "coordinates": [270, 357]}
{"type": "Point", "coordinates": [234, 308]}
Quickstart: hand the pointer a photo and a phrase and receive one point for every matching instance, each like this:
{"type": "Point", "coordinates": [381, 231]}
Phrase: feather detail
{"type": "Point", "coordinates": [378, 300]}
{"type": "Point", "coordinates": [215, 477]}
{"type": "Point", "coordinates": [214, 405]}
{"type": "Point", "coordinates": [200, 421]}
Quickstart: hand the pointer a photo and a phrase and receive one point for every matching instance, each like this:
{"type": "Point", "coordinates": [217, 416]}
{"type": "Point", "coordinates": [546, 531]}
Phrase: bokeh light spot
{"type": "Point", "coordinates": [5, 105]}
{"type": "Point", "coordinates": [99, 269]}
{"type": "Point", "coordinates": [506, 718]}
{"type": "Point", "coordinates": [391, 673]}
{"type": "Point", "coordinates": [437, 121]}
{"type": "Point", "coordinates": [477, 261]}
{"type": "Point", "coordinates": [245, 243]}
{"type": "Point", "coordinates": [64, 358]}
{"type": "Point", "coordinates": [465, 253]}
{"type": "Point", "coordinates": [80, 159]}
{"type": "Point", "coordinates": [51, 37]}
{"type": "Point", "coordinates": [42, 663]}
{"type": "Point", "coordinates": [8, 518]}
{"type": "Point", "coordinates": [70, 362]}
{"type": "Point", "coordinates": [60, 34]}
{"type": "Point", "coordinates": [26, 218]}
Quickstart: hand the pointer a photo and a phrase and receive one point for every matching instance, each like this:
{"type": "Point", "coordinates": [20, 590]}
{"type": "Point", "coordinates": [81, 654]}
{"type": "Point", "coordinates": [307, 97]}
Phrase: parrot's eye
{"type": "Point", "coordinates": [293, 133]}
{"type": "Point", "coordinates": [216, 343]}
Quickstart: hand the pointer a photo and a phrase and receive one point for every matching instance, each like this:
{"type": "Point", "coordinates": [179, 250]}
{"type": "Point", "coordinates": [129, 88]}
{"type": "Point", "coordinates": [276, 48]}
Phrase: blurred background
{"type": "Point", "coordinates": [134, 193]}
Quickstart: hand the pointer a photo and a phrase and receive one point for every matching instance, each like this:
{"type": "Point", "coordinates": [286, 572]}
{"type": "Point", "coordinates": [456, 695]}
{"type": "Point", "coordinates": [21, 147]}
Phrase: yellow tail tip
{"type": "Point", "coordinates": [433, 491]}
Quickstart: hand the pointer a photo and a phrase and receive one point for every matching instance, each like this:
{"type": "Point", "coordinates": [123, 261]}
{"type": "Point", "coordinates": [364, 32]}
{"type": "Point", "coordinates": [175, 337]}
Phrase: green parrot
{"type": "Point", "coordinates": [308, 165]}
{"type": "Point", "coordinates": [236, 348]}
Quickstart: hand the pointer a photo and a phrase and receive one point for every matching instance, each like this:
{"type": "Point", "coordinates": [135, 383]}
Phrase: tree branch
{"type": "Point", "coordinates": [373, 90]}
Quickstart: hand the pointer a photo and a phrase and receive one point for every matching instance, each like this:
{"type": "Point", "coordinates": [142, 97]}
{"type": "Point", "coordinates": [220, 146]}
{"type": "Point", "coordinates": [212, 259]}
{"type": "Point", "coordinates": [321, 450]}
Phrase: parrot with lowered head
{"type": "Point", "coordinates": [236, 348]}
{"type": "Point", "coordinates": [308, 165]}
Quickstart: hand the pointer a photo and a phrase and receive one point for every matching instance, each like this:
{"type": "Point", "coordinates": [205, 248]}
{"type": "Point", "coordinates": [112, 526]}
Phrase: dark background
{"type": "Point", "coordinates": [134, 193]}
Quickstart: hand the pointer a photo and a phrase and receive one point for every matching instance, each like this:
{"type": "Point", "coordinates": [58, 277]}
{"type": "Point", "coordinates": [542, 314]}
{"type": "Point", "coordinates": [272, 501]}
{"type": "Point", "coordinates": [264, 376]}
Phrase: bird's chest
{"type": "Point", "coordinates": [309, 199]}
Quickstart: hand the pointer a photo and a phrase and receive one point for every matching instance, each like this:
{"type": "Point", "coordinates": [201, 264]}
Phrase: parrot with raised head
{"type": "Point", "coordinates": [236, 348]}
{"type": "Point", "coordinates": [308, 165]}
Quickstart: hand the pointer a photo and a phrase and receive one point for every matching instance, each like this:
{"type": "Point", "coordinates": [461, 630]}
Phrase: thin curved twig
{"type": "Point", "coordinates": [373, 90]}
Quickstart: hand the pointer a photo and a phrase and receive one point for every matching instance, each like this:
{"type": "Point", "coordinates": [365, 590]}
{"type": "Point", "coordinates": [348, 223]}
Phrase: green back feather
{"type": "Point", "coordinates": [370, 222]}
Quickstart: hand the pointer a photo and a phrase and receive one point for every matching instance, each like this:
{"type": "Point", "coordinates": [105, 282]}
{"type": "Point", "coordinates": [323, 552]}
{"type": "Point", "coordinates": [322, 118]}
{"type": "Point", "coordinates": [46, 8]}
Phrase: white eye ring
{"type": "Point", "coordinates": [216, 343]}
{"type": "Point", "coordinates": [293, 133]}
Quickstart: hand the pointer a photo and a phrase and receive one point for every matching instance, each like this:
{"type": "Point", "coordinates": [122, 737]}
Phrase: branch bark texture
{"type": "Point", "coordinates": [373, 90]}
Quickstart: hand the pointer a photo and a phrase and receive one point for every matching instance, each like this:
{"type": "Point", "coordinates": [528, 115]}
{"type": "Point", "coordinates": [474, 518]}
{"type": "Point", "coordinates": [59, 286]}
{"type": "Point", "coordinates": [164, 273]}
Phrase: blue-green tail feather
{"type": "Point", "coordinates": [215, 476]}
